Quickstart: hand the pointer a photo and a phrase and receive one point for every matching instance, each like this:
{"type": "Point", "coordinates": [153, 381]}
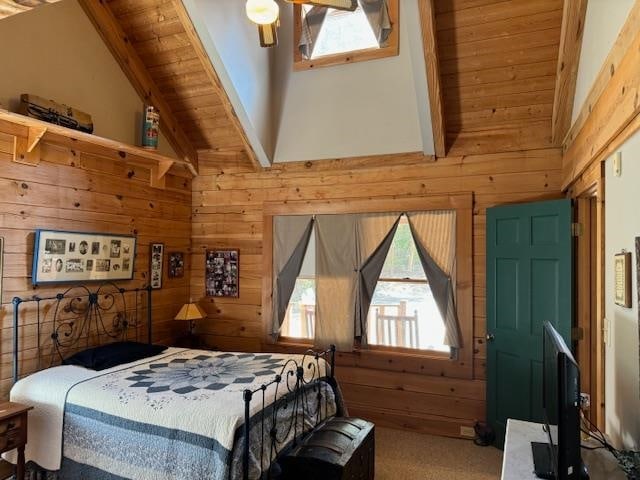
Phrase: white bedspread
{"type": "Point", "coordinates": [47, 391]}
{"type": "Point", "coordinates": [172, 416]}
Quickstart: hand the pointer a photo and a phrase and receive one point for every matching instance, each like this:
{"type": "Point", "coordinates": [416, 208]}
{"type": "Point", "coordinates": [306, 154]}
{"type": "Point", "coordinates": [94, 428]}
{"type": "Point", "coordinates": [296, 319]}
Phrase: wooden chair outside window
{"type": "Point", "coordinates": [404, 327]}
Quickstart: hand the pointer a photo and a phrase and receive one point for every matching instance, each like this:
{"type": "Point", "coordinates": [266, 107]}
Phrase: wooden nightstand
{"type": "Point", "coordinates": [13, 431]}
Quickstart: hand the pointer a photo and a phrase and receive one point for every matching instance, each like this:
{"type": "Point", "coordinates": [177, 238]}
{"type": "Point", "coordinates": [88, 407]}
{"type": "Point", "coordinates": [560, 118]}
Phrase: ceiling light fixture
{"type": "Point", "coordinates": [262, 12]}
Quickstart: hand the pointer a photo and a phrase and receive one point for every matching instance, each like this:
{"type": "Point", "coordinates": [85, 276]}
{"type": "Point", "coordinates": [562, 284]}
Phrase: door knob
{"type": "Point", "coordinates": [490, 337]}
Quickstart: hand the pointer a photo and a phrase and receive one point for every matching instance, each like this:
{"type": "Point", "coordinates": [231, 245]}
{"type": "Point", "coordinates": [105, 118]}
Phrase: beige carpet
{"type": "Point", "coordinates": [407, 455]}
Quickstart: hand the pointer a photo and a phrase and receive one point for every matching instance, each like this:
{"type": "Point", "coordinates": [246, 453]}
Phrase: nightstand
{"type": "Point", "coordinates": [13, 431]}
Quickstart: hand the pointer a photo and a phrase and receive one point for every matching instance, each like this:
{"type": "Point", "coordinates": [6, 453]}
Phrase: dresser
{"type": "Point", "coordinates": [13, 431]}
{"type": "Point", "coordinates": [517, 462]}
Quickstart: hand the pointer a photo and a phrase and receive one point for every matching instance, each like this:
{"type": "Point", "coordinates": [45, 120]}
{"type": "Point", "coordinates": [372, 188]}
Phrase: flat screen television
{"type": "Point", "coordinates": [559, 458]}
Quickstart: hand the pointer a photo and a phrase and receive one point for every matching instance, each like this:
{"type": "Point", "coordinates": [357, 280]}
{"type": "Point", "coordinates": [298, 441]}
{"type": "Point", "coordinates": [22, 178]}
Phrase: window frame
{"type": "Point", "coordinates": [387, 358]}
{"type": "Point", "coordinates": [392, 49]}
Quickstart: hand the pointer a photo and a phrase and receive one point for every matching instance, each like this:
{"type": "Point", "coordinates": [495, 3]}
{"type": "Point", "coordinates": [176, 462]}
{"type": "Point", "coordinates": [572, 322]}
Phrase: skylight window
{"type": "Point", "coordinates": [343, 32]}
{"type": "Point", "coordinates": [326, 36]}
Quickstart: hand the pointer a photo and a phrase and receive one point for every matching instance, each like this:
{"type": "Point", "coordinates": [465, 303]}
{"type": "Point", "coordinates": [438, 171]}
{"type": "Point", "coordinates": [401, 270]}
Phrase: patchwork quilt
{"type": "Point", "coordinates": [178, 415]}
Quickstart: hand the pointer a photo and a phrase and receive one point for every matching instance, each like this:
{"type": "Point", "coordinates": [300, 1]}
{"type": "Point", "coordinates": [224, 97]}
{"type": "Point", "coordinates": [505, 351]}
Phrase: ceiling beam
{"type": "Point", "coordinates": [573, 16]}
{"type": "Point", "coordinates": [117, 41]}
{"type": "Point", "coordinates": [428, 23]}
{"type": "Point", "coordinates": [205, 60]}
{"type": "Point", "coordinates": [13, 7]}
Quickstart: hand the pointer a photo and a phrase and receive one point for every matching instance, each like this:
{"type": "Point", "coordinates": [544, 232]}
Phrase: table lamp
{"type": "Point", "coordinates": [190, 312]}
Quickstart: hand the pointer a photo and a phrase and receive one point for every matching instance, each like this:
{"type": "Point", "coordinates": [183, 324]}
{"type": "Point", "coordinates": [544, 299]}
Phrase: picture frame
{"type": "Point", "coordinates": [222, 273]}
{"type": "Point", "coordinates": [622, 274]}
{"type": "Point", "coordinates": [176, 265]}
{"type": "Point", "coordinates": [62, 256]}
{"type": "Point", "coordinates": [156, 262]}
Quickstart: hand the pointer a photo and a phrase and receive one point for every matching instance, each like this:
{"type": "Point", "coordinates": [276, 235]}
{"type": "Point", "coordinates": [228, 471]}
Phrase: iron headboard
{"type": "Point", "coordinates": [84, 313]}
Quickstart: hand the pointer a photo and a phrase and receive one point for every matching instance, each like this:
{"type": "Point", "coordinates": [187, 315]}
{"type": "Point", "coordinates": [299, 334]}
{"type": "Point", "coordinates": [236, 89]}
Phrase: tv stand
{"type": "Point", "coordinates": [517, 462]}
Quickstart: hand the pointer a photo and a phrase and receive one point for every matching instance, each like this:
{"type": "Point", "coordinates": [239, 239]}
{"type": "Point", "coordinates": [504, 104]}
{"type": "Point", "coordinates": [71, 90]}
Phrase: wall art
{"type": "Point", "coordinates": [62, 256]}
{"type": "Point", "coordinates": [222, 273]}
{"type": "Point", "coordinates": [176, 265]}
{"type": "Point", "coordinates": [155, 265]}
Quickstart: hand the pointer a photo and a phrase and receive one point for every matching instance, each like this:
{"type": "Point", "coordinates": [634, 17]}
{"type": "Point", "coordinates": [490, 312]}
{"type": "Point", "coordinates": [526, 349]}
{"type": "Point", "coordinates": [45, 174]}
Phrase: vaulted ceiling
{"type": "Point", "coordinates": [496, 62]}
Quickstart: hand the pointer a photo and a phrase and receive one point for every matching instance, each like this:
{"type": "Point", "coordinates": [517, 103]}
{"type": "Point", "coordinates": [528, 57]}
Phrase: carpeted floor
{"type": "Point", "coordinates": [406, 455]}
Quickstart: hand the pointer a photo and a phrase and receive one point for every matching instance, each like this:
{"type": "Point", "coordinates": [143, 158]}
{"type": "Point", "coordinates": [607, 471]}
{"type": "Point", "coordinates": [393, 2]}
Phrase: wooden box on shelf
{"type": "Point", "coordinates": [13, 431]}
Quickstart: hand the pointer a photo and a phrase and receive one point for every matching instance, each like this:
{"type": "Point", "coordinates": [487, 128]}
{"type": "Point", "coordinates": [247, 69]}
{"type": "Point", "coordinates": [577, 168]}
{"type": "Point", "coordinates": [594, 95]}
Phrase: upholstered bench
{"type": "Point", "coordinates": [343, 448]}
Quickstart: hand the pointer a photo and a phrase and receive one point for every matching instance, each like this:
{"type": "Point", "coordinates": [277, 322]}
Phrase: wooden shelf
{"type": "Point", "coordinates": [30, 133]}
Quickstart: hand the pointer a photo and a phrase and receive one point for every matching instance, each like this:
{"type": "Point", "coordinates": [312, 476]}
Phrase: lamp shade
{"type": "Point", "coordinates": [262, 12]}
{"type": "Point", "coordinates": [190, 312]}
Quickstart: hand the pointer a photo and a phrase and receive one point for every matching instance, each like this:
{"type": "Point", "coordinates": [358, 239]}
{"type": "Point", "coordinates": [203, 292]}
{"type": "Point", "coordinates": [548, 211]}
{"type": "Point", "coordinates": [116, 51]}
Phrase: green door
{"type": "Point", "coordinates": [529, 281]}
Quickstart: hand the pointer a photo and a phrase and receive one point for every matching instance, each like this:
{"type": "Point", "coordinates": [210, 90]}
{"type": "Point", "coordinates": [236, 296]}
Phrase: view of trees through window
{"type": "Point", "coordinates": [403, 312]}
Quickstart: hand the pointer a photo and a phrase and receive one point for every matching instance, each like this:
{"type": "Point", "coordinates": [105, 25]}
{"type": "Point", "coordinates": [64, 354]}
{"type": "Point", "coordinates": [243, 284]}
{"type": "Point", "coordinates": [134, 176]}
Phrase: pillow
{"type": "Point", "coordinates": [113, 354]}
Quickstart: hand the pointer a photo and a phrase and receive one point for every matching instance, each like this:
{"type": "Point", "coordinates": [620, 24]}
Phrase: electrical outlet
{"type": "Point", "coordinates": [467, 432]}
{"type": "Point", "coordinates": [617, 164]}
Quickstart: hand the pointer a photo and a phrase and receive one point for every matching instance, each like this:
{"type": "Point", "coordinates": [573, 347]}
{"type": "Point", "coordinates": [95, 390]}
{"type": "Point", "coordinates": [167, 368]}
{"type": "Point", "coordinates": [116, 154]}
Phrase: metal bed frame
{"type": "Point", "coordinates": [90, 313]}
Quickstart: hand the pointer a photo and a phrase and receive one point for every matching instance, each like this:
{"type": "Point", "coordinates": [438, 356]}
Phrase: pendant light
{"type": "Point", "coordinates": [262, 12]}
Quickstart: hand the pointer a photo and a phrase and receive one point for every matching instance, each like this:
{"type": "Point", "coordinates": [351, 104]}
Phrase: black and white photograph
{"type": "Point", "coordinates": [103, 265]}
{"type": "Point", "coordinates": [157, 260]}
{"type": "Point", "coordinates": [47, 264]}
{"type": "Point", "coordinates": [222, 273]}
{"type": "Point", "coordinates": [63, 256]}
{"type": "Point", "coordinates": [55, 246]}
{"type": "Point", "coordinates": [116, 246]}
{"type": "Point", "coordinates": [176, 265]}
{"type": "Point", "coordinates": [126, 263]}
{"type": "Point", "coordinates": [73, 265]}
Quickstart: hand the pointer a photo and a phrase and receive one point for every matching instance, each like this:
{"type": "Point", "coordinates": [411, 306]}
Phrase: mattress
{"type": "Point", "coordinates": [177, 415]}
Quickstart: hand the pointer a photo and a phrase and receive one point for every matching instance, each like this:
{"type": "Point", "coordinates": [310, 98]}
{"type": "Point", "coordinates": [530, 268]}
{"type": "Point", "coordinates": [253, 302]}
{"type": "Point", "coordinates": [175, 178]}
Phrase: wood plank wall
{"type": "Point", "coordinates": [73, 191]}
{"type": "Point", "coordinates": [227, 212]}
{"type": "Point", "coordinates": [498, 63]}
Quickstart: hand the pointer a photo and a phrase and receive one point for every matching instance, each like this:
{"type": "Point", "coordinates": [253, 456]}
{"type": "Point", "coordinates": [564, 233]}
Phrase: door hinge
{"type": "Point", "coordinates": [576, 229]}
{"type": "Point", "coordinates": [577, 334]}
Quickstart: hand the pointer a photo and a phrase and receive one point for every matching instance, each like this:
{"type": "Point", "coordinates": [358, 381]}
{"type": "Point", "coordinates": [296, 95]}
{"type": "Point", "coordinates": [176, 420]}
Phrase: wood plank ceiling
{"type": "Point", "coordinates": [158, 35]}
{"type": "Point", "coordinates": [497, 61]}
{"type": "Point", "coordinates": [498, 64]}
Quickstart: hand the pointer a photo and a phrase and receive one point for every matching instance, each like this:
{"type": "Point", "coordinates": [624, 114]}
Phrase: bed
{"type": "Point", "coordinates": [179, 413]}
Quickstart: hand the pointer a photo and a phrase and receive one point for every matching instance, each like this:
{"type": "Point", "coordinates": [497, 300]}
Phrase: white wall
{"type": "Point", "coordinates": [54, 52]}
{"type": "Point", "coordinates": [244, 68]}
{"type": "Point", "coordinates": [603, 22]}
{"type": "Point", "coordinates": [622, 354]}
{"type": "Point", "coordinates": [365, 108]}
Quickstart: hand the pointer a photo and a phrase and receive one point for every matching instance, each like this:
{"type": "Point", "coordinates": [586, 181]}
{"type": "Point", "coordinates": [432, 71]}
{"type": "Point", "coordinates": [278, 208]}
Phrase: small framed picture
{"type": "Point", "coordinates": [622, 273]}
{"type": "Point", "coordinates": [155, 265]}
{"type": "Point", "coordinates": [176, 265]}
{"type": "Point", "coordinates": [222, 273]}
